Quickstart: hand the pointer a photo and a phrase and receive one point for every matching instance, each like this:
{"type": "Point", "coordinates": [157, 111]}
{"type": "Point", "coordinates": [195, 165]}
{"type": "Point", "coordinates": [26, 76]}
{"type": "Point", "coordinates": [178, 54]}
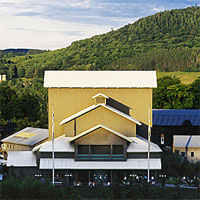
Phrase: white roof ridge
{"type": "Point", "coordinates": [90, 108]}
{"type": "Point", "coordinates": [78, 114]}
{"type": "Point", "coordinates": [100, 94]}
{"type": "Point", "coordinates": [97, 127]}
{"type": "Point", "coordinates": [122, 114]}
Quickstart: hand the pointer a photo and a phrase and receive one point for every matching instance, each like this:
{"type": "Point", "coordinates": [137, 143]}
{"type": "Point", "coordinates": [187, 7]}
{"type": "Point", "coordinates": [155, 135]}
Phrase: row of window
{"type": "Point", "coordinates": [8, 146]}
{"type": "Point", "coordinates": [100, 149]}
{"type": "Point", "coordinates": [183, 154]}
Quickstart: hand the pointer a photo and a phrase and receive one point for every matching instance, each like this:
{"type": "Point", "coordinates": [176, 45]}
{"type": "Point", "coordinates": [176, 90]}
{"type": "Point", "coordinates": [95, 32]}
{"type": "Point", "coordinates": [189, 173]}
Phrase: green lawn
{"type": "Point", "coordinates": [185, 77]}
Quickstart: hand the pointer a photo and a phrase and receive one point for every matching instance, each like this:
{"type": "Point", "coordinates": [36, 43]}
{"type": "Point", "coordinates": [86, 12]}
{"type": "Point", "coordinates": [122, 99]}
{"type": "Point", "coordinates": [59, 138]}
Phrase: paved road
{"type": "Point", "coordinates": [181, 186]}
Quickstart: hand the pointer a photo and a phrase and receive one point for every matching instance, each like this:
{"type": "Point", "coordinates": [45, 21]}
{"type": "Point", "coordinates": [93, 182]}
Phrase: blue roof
{"type": "Point", "coordinates": [162, 117]}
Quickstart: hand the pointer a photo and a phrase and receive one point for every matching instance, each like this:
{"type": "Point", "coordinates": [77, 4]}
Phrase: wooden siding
{"type": "Point", "coordinates": [68, 101]}
{"type": "Point", "coordinates": [100, 137]}
{"type": "Point", "coordinates": [102, 116]}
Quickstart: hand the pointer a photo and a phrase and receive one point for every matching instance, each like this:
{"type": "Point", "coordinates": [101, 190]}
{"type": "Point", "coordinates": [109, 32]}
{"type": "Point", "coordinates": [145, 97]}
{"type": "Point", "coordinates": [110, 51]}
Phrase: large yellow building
{"type": "Point", "coordinates": [100, 121]}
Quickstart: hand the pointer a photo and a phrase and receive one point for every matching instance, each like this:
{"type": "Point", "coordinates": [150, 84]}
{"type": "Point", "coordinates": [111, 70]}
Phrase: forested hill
{"type": "Point", "coordinates": [166, 41]}
{"type": "Point", "coordinates": [8, 53]}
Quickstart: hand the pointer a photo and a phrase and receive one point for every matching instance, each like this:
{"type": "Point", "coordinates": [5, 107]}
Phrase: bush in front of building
{"type": "Point", "coordinates": [31, 188]}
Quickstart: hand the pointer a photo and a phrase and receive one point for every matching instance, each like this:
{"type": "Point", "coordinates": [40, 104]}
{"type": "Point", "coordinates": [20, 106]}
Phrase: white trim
{"type": "Point", "coordinates": [36, 148]}
{"type": "Point", "coordinates": [86, 110]}
{"type": "Point", "coordinates": [97, 127]}
{"type": "Point", "coordinates": [100, 94]}
{"type": "Point", "coordinates": [130, 164]}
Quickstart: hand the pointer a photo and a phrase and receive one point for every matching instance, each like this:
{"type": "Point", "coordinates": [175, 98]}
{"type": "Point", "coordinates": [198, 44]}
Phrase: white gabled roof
{"type": "Point", "coordinates": [100, 79]}
{"type": "Point", "coordinates": [36, 135]}
{"type": "Point", "coordinates": [100, 94]}
{"type": "Point", "coordinates": [187, 140]}
{"type": "Point", "coordinates": [97, 127]}
{"type": "Point", "coordinates": [90, 108]}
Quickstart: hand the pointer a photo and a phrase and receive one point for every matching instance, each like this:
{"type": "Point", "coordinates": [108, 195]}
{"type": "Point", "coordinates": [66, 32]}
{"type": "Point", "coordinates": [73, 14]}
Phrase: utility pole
{"type": "Point", "coordinates": [149, 140]}
{"type": "Point", "coordinates": [53, 124]}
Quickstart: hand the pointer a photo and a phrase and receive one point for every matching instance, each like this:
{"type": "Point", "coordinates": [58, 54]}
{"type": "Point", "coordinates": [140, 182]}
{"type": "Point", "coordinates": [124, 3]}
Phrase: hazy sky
{"type": "Point", "coordinates": [53, 24]}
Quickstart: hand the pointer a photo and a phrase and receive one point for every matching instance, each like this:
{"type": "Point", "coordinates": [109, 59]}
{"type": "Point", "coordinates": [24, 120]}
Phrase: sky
{"type": "Point", "coordinates": [54, 24]}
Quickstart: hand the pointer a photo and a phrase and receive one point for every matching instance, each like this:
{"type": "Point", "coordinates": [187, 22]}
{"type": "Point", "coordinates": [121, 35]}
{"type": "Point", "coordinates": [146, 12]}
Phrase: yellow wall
{"type": "Point", "coordinates": [15, 147]}
{"type": "Point", "coordinates": [99, 137]}
{"type": "Point", "coordinates": [102, 116]}
{"type": "Point", "coordinates": [18, 147]}
{"type": "Point", "coordinates": [196, 151]}
{"type": "Point", "coordinates": [68, 101]}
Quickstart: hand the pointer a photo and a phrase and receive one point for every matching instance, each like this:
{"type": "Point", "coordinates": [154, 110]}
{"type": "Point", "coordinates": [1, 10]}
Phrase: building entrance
{"type": "Point", "coordinates": [101, 177]}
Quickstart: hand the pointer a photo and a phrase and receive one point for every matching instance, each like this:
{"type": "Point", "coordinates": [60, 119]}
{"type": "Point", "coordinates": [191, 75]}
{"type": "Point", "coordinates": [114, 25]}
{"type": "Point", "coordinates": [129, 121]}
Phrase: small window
{"type": "Point", "coordinates": [100, 149]}
{"type": "Point", "coordinates": [192, 154]}
{"type": "Point", "coordinates": [183, 154]}
{"type": "Point", "coordinates": [177, 151]}
{"type": "Point", "coordinates": [83, 149]}
{"type": "Point", "coordinates": [162, 139]}
{"type": "Point", "coordinates": [117, 149]}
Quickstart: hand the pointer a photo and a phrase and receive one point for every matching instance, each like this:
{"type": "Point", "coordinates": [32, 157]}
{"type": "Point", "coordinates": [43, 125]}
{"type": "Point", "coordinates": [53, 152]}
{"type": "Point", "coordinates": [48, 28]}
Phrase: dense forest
{"type": "Point", "coordinates": [166, 41]}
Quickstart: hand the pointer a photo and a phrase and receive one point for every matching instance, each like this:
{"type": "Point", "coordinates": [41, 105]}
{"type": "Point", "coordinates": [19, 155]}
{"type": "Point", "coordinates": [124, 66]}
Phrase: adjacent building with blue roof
{"type": "Point", "coordinates": [169, 122]}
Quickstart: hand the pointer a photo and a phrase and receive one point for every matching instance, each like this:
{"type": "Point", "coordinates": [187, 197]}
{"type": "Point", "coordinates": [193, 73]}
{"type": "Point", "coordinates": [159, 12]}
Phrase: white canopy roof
{"type": "Point", "coordinates": [46, 163]}
{"type": "Point", "coordinates": [187, 140]}
{"type": "Point", "coordinates": [61, 144]}
{"type": "Point", "coordinates": [100, 79]}
{"type": "Point", "coordinates": [90, 108]}
{"type": "Point", "coordinates": [21, 159]}
{"type": "Point", "coordinates": [140, 144]}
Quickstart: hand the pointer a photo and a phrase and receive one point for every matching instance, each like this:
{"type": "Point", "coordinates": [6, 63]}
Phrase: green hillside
{"type": "Point", "coordinates": [185, 77]}
{"type": "Point", "coordinates": [166, 41]}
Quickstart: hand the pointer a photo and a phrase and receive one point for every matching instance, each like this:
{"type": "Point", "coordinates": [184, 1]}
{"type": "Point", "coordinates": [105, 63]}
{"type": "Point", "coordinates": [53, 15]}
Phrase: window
{"type": "Point", "coordinates": [100, 149]}
{"type": "Point", "coordinates": [162, 139]}
{"type": "Point", "coordinates": [192, 154]}
{"type": "Point", "coordinates": [83, 149]}
{"type": "Point", "coordinates": [177, 151]}
{"type": "Point", "coordinates": [100, 152]}
{"type": "Point", "coordinates": [117, 149]}
{"type": "Point", "coordinates": [183, 154]}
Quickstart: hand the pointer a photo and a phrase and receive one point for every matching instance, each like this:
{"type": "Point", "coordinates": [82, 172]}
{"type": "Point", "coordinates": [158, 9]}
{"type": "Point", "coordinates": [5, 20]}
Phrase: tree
{"type": "Point", "coordinates": [159, 94]}
{"type": "Point", "coordinates": [21, 72]}
{"type": "Point", "coordinates": [178, 97]}
{"type": "Point", "coordinates": [195, 90]}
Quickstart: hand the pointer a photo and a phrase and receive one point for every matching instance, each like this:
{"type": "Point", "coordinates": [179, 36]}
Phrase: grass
{"type": "Point", "coordinates": [185, 77]}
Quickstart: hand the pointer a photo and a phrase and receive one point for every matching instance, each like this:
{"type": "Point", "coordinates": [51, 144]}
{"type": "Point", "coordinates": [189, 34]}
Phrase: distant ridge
{"type": "Point", "coordinates": [165, 41]}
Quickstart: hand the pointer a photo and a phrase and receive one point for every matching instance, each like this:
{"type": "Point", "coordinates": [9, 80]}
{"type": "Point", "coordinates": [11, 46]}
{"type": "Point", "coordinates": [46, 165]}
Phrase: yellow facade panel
{"type": "Point", "coordinates": [100, 137]}
{"type": "Point", "coordinates": [16, 147]}
{"type": "Point", "coordinates": [68, 101]}
{"type": "Point", "coordinates": [102, 116]}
